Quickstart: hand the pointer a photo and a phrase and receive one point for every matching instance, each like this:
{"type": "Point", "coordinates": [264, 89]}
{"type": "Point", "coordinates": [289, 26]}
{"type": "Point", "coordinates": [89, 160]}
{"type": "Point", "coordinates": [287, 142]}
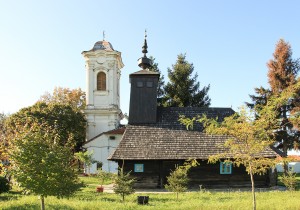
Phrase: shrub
{"type": "Point", "coordinates": [4, 185]}
{"type": "Point", "coordinates": [123, 184]}
{"type": "Point", "coordinates": [289, 180]}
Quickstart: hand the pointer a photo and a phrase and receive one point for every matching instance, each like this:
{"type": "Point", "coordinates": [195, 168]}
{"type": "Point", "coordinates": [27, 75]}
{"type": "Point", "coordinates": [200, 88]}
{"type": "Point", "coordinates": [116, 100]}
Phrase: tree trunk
{"type": "Point", "coordinates": [42, 203]}
{"type": "Point", "coordinates": [285, 164]}
{"type": "Point", "coordinates": [123, 196]}
{"type": "Point", "coordinates": [253, 187]}
{"type": "Point", "coordinates": [285, 143]}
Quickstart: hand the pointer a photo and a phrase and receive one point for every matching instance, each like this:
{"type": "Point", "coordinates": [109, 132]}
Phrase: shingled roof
{"type": "Point", "coordinates": [150, 143]}
{"type": "Point", "coordinates": [168, 139]}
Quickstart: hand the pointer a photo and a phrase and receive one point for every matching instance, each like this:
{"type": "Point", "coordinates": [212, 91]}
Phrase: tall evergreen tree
{"type": "Point", "coordinates": [161, 81]}
{"type": "Point", "coordinates": [183, 89]}
{"type": "Point", "coordinates": [282, 74]}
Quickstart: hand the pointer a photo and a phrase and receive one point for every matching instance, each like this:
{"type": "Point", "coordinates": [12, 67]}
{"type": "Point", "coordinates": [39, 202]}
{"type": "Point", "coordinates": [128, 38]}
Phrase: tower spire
{"type": "Point", "coordinates": [144, 62]}
{"type": "Point", "coordinates": [103, 35]}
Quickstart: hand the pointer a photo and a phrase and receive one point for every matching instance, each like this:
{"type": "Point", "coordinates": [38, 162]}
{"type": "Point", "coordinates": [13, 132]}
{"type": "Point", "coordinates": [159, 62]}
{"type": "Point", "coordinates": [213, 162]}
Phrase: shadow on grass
{"type": "Point", "coordinates": [10, 196]}
{"type": "Point", "coordinates": [58, 207]}
{"type": "Point", "coordinates": [23, 206]}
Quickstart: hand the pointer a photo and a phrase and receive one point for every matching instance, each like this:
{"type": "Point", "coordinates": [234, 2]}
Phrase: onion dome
{"type": "Point", "coordinates": [144, 62]}
{"type": "Point", "coordinates": [103, 45]}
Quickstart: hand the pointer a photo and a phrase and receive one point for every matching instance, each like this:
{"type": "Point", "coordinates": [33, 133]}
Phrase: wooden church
{"type": "Point", "coordinates": [154, 141]}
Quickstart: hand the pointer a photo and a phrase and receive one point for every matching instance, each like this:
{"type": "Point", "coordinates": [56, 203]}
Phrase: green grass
{"type": "Point", "coordinates": [87, 198]}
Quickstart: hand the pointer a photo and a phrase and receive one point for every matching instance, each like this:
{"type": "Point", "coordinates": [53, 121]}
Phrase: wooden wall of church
{"type": "Point", "coordinates": [208, 175]}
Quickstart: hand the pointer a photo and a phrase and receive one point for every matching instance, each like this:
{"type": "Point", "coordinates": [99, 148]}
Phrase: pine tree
{"type": "Point", "coordinates": [161, 82]}
{"type": "Point", "coordinates": [178, 179]}
{"type": "Point", "coordinates": [183, 89]}
{"type": "Point", "coordinates": [123, 184]}
{"type": "Point", "coordinates": [282, 74]}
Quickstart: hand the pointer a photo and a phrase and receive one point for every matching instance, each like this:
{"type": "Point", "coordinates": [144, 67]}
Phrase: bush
{"type": "Point", "coordinates": [289, 180]}
{"type": "Point", "coordinates": [4, 185]}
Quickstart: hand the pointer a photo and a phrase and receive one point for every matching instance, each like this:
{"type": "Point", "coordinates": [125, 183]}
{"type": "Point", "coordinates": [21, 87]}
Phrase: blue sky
{"type": "Point", "coordinates": [229, 42]}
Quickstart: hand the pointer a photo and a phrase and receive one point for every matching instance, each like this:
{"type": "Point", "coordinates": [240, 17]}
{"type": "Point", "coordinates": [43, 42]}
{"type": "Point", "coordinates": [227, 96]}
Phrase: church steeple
{"type": "Point", "coordinates": [103, 71]}
{"type": "Point", "coordinates": [144, 62]}
{"type": "Point", "coordinates": [143, 94]}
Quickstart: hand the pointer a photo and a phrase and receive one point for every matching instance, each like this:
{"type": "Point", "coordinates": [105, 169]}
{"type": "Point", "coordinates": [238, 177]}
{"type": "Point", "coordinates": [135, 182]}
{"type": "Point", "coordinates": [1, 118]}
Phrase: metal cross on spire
{"type": "Point", "coordinates": [144, 62]}
{"type": "Point", "coordinates": [103, 35]}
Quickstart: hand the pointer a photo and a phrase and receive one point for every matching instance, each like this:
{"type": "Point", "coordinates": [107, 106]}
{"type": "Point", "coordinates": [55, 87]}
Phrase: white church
{"type": "Point", "coordinates": [103, 113]}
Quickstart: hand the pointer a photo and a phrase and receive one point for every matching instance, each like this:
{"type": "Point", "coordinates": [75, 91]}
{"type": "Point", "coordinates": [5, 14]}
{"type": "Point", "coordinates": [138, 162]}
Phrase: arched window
{"type": "Point", "coordinates": [101, 81]}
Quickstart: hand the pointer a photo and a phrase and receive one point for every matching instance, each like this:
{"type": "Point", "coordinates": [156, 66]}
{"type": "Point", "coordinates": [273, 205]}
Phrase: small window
{"type": "Point", "coordinates": [101, 81]}
{"type": "Point", "coordinates": [112, 137]}
{"type": "Point", "coordinates": [225, 168]}
{"type": "Point", "coordinates": [138, 168]}
{"type": "Point", "coordinates": [139, 84]}
{"type": "Point", "coordinates": [149, 84]}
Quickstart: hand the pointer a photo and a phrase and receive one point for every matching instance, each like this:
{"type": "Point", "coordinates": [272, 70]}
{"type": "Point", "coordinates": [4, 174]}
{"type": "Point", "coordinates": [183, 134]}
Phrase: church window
{"type": "Point", "coordinates": [225, 168]}
{"type": "Point", "coordinates": [139, 84]}
{"type": "Point", "coordinates": [101, 81]}
{"type": "Point", "coordinates": [149, 84]}
{"type": "Point", "coordinates": [138, 167]}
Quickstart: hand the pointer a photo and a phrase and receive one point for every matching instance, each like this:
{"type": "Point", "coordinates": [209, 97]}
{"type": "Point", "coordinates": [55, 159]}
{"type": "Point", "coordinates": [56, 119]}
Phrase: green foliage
{"type": "Point", "coordinates": [4, 157]}
{"type": "Point", "coordinates": [66, 96]}
{"type": "Point", "coordinates": [42, 165]}
{"type": "Point", "coordinates": [289, 180]}
{"type": "Point", "coordinates": [282, 74]}
{"type": "Point", "coordinates": [183, 89]}
{"type": "Point", "coordinates": [124, 184]}
{"type": "Point", "coordinates": [4, 185]}
{"type": "Point", "coordinates": [103, 176]}
{"type": "Point", "coordinates": [248, 138]}
{"type": "Point", "coordinates": [64, 121]}
{"type": "Point", "coordinates": [178, 179]}
{"type": "Point", "coordinates": [85, 157]}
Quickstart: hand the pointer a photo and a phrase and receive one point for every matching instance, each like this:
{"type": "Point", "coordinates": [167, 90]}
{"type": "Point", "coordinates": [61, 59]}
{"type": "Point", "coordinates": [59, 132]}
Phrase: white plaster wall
{"type": "Point", "coordinates": [103, 107]}
{"type": "Point", "coordinates": [295, 166]}
{"type": "Point", "coordinates": [102, 147]}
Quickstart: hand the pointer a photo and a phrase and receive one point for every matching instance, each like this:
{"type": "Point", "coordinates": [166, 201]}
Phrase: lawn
{"type": "Point", "coordinates": [87, 198]}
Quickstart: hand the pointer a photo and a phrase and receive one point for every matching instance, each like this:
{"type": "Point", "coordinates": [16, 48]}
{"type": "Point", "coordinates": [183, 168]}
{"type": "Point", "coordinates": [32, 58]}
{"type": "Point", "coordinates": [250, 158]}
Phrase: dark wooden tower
{"type": "Point", "coordinates": [143, 95]}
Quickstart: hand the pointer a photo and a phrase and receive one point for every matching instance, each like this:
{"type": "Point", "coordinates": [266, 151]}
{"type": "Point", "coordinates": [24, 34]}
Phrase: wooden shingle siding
{"type": "Point", "coordinates": [152, 143]}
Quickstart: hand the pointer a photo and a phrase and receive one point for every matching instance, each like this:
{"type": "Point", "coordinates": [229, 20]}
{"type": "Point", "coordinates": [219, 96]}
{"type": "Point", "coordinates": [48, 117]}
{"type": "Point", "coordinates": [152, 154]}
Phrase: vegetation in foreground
{"type": "Point", "coordinates": [88, 198]}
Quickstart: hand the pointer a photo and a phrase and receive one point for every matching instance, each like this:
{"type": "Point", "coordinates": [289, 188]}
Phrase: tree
{"type": "Point", "coordinates": [65, 121]}
{"type": "Point", "coordinates": [282, 74]}
{"type": "Point", "coordinates": [66, 96]}
{"type": "Point", "coordinates": [42, 165]}
{"type": "Point", "coordinates": [260, 99]}
{"type": "Point", "coordinates": [178, 179]}
{"type": "Point", "coordinates": [4, 157]}
{"type": "Point", "coordinates": [248, 138]}
{"type": "Point", "coordinates": [161, 82]}
{"type": "Point", "coordinates": [123, 184]}
{"type": "Point", "coordinates": [85, 157]}
{"type": "Point", "coordinates": [183, 89]}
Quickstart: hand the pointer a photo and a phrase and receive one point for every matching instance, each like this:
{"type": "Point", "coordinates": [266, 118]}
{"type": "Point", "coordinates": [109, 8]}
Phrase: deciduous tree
{"type": "Point", "coordinates": [41, 164]}
{"type": "Point", "coordinates": [64, 121]}
{"type": "Point", "coordinates": [66, 96]}
{"type": "Point", "coordinates": [4, 157]}
{"type": "Point", "coordinates": [248, 138]}
{"type": "Point", "coordinates": [183, 89]}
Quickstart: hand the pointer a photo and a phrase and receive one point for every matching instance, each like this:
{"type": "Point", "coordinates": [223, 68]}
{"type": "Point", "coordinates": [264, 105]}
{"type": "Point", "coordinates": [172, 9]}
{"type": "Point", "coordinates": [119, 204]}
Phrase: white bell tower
{"type": "Point", "coordinates": [103, 71]}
